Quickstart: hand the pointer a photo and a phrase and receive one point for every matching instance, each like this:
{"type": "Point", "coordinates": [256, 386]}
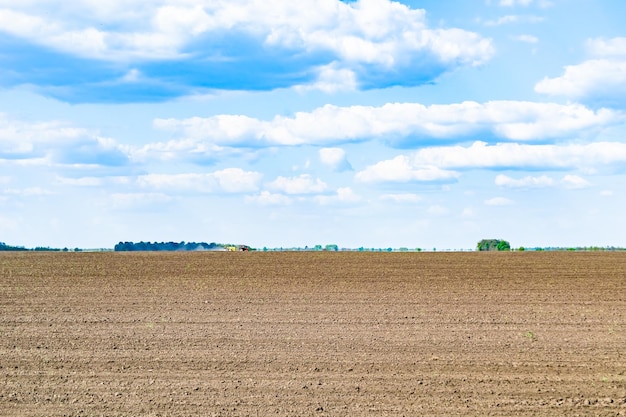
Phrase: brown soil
{"type": "Point", "coordinates": [324, 334]}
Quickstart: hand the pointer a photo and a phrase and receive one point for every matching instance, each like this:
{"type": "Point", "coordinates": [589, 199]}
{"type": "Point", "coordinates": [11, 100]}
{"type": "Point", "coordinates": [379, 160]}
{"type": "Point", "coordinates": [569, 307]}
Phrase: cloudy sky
{"type": "Point", "coordinates": [373, 123]}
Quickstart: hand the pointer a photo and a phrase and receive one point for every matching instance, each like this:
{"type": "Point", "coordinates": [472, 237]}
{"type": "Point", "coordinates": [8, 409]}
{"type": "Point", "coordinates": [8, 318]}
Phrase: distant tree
{"type": "Point", "coordinates": [503, 245]}
{"type": "Point", "coordinates": [165, 246]}
{"type": "Point", "coordinates": [332, 248]}
{"type": "Point", "coordinates": [5, 247]}
{"type": "Point", "coordinates": [46, 249]}
{"type": "Point", "coordinates": [493, 245]}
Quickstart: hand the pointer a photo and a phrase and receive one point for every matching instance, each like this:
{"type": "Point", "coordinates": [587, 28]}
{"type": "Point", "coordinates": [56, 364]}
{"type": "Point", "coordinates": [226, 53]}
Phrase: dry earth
{"type": "Point", "coordinates": [312, 334]}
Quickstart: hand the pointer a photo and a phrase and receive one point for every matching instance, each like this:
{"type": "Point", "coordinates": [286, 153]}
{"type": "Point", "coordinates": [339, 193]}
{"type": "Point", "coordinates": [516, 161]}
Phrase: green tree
{"type": "Point", "coordinates": [503, 245]}
{"type": "Point", "coordinates": [493, 245]}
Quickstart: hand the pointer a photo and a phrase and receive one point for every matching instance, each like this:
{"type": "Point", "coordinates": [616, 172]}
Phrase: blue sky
{"type": "Point", "coordinates": [429, 124]}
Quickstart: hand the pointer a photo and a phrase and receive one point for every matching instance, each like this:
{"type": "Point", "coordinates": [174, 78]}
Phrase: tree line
{"type": "Point", "coordinates": [6, 248]}
{"type": "Point", "coordinates": [166, 246]}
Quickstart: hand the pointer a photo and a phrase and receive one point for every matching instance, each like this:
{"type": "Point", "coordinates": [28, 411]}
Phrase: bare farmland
{"type": "Point", "coordinates": [295, 334]}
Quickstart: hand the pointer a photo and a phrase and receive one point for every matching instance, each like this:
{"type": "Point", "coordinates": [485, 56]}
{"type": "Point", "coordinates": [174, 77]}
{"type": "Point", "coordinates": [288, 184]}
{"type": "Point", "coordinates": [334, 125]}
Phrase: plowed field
{"type": "Point", "coordinates": [312, 334]}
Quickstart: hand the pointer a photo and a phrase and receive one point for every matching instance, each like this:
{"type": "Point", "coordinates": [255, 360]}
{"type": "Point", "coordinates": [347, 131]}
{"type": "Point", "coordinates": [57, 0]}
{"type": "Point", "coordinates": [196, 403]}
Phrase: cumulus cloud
{"type": "Point", "coordinates": [164, 46]}
{"type": "Point", "coordinates": [344, 195]}
{"type": "Point", "coordinates": [568, 181]}
{"type": "Point", "coordinates": [331, 79]}
{"type": "Point", "coordinates": [266, 198]}
{"type": "Point", "coordinates": [57, 143]}
{"type": "Point", "coordinates": [526, 182]}
{"type": "Point", "coordinates": [398, 124]}
{"type": "Point", "coordinates": [596, 80]}
{"type": "Point", "coordinates": [443, 163]}
{"type": "Point", "coordinates": [574, 181]}
{"type": "Point", "coordinates": [303, 184]}
{"type": "Point", "coordinates": [519, 156]}
{"type": "Point", "coordinates": [607, 47]}
{"type": "Point", "coordinates": [230, 180]}
{"type": "Point", "coordinates": [403, 169]}
{"type": "Point", "coordinates": [335, 158]}
{"type": "Point", "coordinates": [601, 80]}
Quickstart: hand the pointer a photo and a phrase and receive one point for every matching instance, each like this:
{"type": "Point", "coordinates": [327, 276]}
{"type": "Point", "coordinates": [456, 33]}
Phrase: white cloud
{"type": "Point", "coordinates": [81, 182]}
{"type": "Point", "coordinates": [440, 163]}
{"type": "Point", "coordinates": [331, 79]}
{"type": "Point", "coordinates": [510, 19]}
{"type": "Point", "coordinates": [56, 32]}
{"type": "Point", "coordinates": [265, 198]}
{"type": "Point", "coordinates": [602, 79]}
{"type": "Point", "coordinates": [526, 38]}
{"type": "Point", "coordinates": [499, 201]}
{"type": "Point", "coordinates": [595, 80]}
{"type": "Point", "coordinates": [27, 192]}
{"type": "Point", "coordinates": [57, 143]}
{"type": "Point", "coordinates": [568, 181]}
{"type": "Point", "coordinates": [194, 150]}
{"type": "Point", "coordinates": [402, 198]}
{"type": "Point", "coordinates": [526, 182]}
{"type": "Point", "coordinates": [344, 195]}
{"type": "Point", "coordinates": [335, 158]}
{"type": "Point", "coordinates": [614, 47]}
{"type": "Point", "coordinates": [401, 169]}
{"type": "Point", "coordinates": [230, 180]}
{"type": "Point", "coordinates": [21, 138]}
{"type": "Point", "coordinates": [337, 44]}
{"type": "Point", "coordinates": [512, 155]}
{"type": "Point", "coordinates": [235, 180]}
{"type": "Point", "coordinates": [503, 20]}
{"type": "Point", "coordinates": [132, 76]}
{"type": "Point", "coordinates": [574, 182]}
{"type": "Point", "coordinates": [402, 124]}
{"type": "Point", "coordinates": [304, 184]}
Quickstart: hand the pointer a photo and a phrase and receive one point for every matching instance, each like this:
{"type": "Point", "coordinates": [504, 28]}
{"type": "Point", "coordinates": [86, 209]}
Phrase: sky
{"type": "Point", "coordinates": [368, 123]}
